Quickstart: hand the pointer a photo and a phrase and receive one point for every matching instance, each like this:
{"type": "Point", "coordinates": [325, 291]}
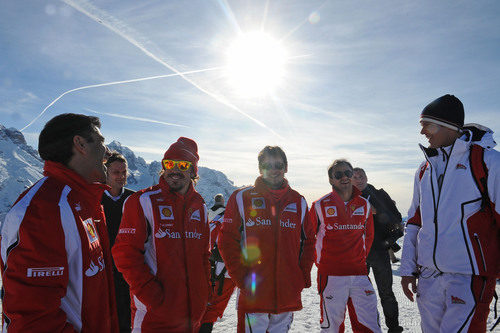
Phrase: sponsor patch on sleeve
{"type": "Point", "coordinates": [166, 212]}
{"type": "Point", "coordinates": [227, 220]}
{"type": "Point", "coordinates": [90, 229]}
{"type": "Point", "coordinates": [330, 211]}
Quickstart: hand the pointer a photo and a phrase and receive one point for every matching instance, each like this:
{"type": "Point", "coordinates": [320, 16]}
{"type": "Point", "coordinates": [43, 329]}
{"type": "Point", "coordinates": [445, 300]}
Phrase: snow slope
{"type": "Point", "coordinates": [307, 320]}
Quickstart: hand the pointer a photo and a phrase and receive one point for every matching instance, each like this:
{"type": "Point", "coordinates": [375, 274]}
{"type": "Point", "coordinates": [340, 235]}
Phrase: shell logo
{"type": "Point", "coordinates": [331, 211]}
{"type": "Point", "coordinates": [166, 212]}
{"type": "Point", "coordinates": [258, 203]}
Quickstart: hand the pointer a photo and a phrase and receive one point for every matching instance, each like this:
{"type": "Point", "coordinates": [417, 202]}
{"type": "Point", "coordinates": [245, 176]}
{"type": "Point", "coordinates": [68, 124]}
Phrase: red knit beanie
{"type": "Point", "coordinates": [184, 149]}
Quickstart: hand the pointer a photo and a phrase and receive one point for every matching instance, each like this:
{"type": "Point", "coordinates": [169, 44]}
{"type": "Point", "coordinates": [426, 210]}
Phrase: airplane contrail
{"type": "Point", "coordinates": [117, 115]}
{"type": "Point", "coordinates": [118, 27]}
{"type": "Point", "coordinates": [113, 83]}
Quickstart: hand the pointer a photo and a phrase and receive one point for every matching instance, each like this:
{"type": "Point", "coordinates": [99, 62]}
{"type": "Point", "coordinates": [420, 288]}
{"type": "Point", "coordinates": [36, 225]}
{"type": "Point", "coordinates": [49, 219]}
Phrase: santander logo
{"type": "Point", "coordinates": [337, 226]}
{"type": "Point", "coordinates": [287, 224]}
{"type": "Point", "coordinates": [258, 221]}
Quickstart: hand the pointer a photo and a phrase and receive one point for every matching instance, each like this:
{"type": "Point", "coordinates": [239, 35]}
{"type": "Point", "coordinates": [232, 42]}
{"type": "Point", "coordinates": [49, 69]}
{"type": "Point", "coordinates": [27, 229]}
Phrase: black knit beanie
{"type": "Point", "coordinates": [446, 111]}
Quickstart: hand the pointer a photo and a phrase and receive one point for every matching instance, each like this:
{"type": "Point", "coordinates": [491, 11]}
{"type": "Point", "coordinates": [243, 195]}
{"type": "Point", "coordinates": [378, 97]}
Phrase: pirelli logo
{"type": "Point", "coordinates": [45, 272]}
{"type": "Point", "coordinates": [126, 231]}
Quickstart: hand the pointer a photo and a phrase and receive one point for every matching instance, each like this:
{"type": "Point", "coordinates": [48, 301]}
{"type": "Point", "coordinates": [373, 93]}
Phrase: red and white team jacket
{"type": "Point", "coordinates": [162, 251]}
{"type": "Point", "coordinates": [268, 248]}
{"type": "Point", "coordinates": [215, 225]}
{"type": "Point", "coordinates": [56, 262]}
{"type": "Point", "coordinates": [344, 234]}
{"type": "Point", "coordinates": [447, 229]}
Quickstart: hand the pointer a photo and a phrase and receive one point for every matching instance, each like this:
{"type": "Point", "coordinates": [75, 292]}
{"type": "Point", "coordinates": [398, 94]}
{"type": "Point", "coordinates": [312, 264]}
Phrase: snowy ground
{"type": "Point", "coordinates": [307, 320]}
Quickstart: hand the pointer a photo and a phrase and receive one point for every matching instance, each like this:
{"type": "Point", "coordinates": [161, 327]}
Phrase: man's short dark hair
{"type": "Point", "coordinates": [219, 198]}
{"type": "Point", "coordinates": [359, 170]}
{"type": "Point", "coordinates": [337, 163]}
{"type": "Point", "coordinates": [272, 151]}
{"type": "Point", "coordinates": [115, 157]}
{"type": "Point", "coordinates": [55, 142]}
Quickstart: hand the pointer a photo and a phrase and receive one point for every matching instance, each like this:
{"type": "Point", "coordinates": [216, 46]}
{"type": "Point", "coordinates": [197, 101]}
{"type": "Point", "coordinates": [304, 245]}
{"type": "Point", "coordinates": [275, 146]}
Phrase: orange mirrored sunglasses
{"type": "Point", "coordinates": [181, 165]}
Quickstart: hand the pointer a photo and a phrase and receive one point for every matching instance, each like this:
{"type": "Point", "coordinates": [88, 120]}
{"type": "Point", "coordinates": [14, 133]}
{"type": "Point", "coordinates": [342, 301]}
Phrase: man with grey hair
{"type": "Point", "coordinates": [386, 222]}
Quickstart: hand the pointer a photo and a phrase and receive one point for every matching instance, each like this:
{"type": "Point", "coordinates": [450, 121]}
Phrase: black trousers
{"type": "Point", "coordinates": [122, 295]}
{"type": "Point", "coordinates": [379, 261]}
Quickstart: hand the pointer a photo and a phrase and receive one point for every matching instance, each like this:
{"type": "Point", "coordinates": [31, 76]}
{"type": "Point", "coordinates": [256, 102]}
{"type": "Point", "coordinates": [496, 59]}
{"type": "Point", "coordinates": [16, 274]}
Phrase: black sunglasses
{"type": "Point", "coordinates": [339, 174]}
{"type": "Point", "coordinates": [269, 166]}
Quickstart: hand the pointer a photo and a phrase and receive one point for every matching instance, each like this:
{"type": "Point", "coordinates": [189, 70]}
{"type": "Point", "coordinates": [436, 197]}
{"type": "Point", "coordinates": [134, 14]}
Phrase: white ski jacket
{"type": "Point", "coordinates": [447, 228]}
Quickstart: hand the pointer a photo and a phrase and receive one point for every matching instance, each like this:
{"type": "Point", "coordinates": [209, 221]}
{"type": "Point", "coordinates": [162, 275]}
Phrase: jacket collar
{"type": "Point", "coordinates": [92, 192]}
{"type": "Point", "coordinates": [472, 134]}
{"type": "Point", "coordinates": [355, 193]}
{"type": "Point", "coordinates": [261, 186]}
{"type": "Point", "coordinates": [460, 146]}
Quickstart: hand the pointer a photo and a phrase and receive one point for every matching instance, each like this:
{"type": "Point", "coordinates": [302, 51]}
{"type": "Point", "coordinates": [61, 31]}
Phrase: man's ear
{"type": "Point", "coordinates": [330, 180]}
{"type": "Point", "coordinates": [80, 144]}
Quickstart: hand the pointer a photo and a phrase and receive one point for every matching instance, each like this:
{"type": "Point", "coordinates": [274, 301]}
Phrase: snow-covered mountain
{"type": "Point", "coordinates": [21, 167]}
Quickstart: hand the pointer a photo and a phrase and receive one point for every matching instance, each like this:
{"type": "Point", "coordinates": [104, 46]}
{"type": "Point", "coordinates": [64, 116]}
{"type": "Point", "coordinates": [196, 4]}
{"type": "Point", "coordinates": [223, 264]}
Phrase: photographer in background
{"type": "Point", "coordinates": [387, 222]}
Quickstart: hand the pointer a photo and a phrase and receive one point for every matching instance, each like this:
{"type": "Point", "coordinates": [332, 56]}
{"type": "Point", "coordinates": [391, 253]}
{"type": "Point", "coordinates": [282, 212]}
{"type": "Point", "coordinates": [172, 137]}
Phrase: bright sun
{"type": "Point", "coordinates": [255, 64]}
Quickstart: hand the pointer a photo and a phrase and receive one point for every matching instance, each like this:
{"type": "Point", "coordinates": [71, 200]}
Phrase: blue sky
{"type": "Point", "coordinates": [356, 77]}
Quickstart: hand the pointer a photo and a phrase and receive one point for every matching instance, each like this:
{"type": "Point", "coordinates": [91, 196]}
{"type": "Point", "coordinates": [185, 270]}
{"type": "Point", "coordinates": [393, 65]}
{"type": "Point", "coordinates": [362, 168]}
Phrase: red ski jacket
{"type": "Point", "coordinates": [162, 251]}
{"type": "Point", "coordinates": [268, 248]}
{"type": "Point", "coordinates": [344, 234]}
{"type": "Point", "coordinates": [56, 260]}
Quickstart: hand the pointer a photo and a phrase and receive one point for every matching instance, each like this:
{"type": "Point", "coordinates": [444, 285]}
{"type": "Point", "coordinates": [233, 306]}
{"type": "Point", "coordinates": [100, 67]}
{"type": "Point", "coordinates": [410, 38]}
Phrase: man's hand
{"type": "Point", "coordinates": [405, 282]}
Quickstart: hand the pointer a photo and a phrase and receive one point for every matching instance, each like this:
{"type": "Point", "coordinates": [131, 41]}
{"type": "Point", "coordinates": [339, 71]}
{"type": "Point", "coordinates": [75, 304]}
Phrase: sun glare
{"type": "Point", "coordinates": [256, 64]}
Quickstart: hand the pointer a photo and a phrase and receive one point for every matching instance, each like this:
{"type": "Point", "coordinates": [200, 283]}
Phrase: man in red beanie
{"type": "Point", "coordinates": [162, 247]}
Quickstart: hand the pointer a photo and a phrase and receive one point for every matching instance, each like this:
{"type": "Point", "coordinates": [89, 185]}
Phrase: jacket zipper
{"type": "Point", "coordinates": [480, 251]}
{"type": "Point", "coordinates": [436, 204]}
{"type": "Point", "coordinates": [185, 262]}
{"type": "Point", "coordinates": [277, 230]}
